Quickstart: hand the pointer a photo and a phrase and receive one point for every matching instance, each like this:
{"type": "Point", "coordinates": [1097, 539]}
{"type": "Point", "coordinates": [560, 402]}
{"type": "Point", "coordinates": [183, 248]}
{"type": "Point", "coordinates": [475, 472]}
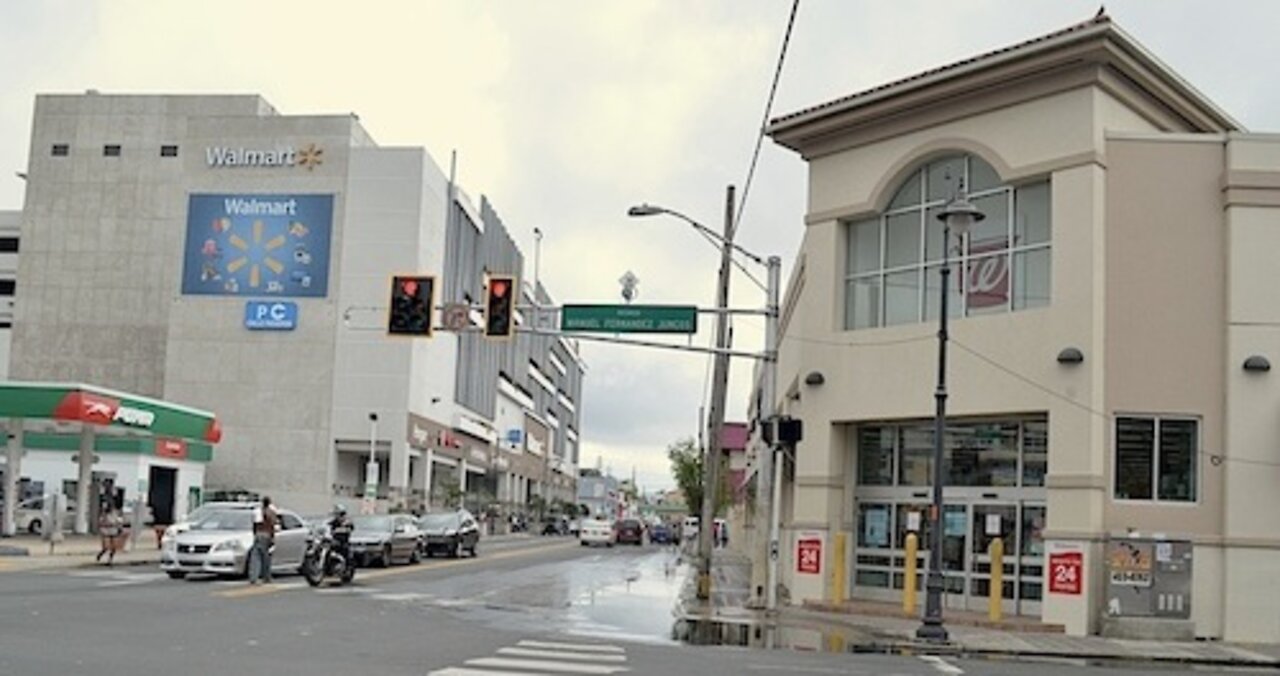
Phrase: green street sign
{"type": "Point", "coordinates": [629, 318]}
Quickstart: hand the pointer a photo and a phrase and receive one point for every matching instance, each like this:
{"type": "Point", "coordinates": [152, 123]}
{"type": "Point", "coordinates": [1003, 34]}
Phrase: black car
{"type": "Point", "coordinates": [630, 530]}
{"type": "Point", "coordinates": [450, 533]}
{"type": "Point", "coordinates": [661, 534]}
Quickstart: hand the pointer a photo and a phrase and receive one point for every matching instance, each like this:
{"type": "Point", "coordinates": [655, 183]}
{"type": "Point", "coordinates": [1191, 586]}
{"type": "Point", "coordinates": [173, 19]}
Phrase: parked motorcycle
{"type": "Point", "coordinates": [323, 560]}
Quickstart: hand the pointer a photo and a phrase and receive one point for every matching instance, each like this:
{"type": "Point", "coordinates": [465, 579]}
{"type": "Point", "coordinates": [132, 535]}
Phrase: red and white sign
{"type": "Point", "coordinates": [809, 553]}
{"type": "Point", "coordinates": [1066, 569]}
{"type": "Point", "coordinates": [988, 277]}
{"type": "Point", "coordinates": [171, 448]}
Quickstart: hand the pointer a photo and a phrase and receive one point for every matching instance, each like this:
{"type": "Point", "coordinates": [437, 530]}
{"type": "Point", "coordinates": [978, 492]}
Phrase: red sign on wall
{"type": "Point", "coordinates": [809, 553]}
{"type": "Point", "coordinates": [1066, 572]}
{"type": "Point", "coordinates": [171, 448]}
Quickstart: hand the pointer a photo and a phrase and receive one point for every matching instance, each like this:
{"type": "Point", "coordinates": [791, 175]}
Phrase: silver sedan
{"type": "Point", "coordinates": [219, 543]}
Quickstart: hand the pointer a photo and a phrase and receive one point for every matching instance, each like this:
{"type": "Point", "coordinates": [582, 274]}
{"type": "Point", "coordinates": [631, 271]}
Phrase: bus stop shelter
{"type": "Point", "coordinates": [89, 420]}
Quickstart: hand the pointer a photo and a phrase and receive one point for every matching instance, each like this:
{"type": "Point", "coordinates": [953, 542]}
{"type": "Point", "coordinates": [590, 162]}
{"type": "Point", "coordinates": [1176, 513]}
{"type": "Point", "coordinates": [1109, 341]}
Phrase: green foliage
{"type": "Point", "coordinates": [686, 468]}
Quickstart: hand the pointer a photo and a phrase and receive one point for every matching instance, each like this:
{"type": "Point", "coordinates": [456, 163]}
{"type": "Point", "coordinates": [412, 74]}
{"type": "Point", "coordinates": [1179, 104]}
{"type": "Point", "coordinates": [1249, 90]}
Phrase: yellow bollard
{"type": "Point", "coordinates": [909, 575]}
{"type": "Point", "coordinates": [995, 610]}
{"type": "Point", "coordinates": [838, 574]}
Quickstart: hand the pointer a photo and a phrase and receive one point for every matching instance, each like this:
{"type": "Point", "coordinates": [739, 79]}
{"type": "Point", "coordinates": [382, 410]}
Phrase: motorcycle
{"type": "Point", "coordinates": [324, 560]}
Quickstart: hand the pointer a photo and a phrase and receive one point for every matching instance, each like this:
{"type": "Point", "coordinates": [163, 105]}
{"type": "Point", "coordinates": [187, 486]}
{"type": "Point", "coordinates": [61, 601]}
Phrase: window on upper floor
{"type": "Point", "coordinates": [60, 150]}
{"type": "Point", "coordinates": [111, 150]}
{"type": "Point", "coordinates": [168, 151]}
{"type": "Point", "coordinates": [895, 257]}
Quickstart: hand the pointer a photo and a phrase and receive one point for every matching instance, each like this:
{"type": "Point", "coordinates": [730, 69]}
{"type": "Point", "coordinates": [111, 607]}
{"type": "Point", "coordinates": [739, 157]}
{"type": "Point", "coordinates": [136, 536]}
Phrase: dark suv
{"type": "Point", "coordinates": [450, 533]}
{"type": "Point", "coordinates": [630, 530]}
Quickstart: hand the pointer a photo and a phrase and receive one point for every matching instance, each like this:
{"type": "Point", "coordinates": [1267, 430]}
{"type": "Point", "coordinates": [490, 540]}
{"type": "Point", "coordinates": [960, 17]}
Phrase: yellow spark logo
{"type": "Point", "coordinates": [255, 274]}
{"type": "Point", "coordinates": [311, 157]}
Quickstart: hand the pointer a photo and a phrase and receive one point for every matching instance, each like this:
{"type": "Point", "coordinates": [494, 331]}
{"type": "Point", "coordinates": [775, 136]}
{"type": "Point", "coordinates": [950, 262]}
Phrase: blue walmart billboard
{"type": "Point", "coordinates": [257, 245]}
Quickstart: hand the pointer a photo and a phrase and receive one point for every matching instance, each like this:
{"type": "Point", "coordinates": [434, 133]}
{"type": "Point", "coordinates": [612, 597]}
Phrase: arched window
{"type": "Point", "coordinates": [894, 258]}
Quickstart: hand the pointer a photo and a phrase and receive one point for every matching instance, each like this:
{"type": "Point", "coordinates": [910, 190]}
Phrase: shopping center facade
{"type": "Point", "coordinates": [211, 251]}
{"type": "Point", "coordinates": [1110, 340]}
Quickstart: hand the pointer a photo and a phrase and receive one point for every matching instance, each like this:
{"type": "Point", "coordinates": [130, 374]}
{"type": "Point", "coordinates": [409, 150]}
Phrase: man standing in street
{"type": "Point", "coordinates": [264, 536]}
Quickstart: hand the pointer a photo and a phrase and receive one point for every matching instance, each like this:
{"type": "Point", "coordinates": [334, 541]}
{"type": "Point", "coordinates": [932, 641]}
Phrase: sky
{"type": "Point", "coordinates": [566, 113]}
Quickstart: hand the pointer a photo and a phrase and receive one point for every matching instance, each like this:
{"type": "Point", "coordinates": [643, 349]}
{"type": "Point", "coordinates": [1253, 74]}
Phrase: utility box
{"type": "Point", "coordinates": [1148, 588]}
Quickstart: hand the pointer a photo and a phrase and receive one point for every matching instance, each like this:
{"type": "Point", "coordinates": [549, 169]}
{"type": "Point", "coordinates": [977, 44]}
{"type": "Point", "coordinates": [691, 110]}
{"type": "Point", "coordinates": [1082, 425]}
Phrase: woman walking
{"type": "Point", "coordinates": [109, 525]}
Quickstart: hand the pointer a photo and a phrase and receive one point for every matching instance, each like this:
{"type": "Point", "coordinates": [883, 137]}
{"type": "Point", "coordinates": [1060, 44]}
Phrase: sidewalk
{"type": "Point", "coordinates": [30, 552]}
{"type": "Point", "coordinates": [878, 627]}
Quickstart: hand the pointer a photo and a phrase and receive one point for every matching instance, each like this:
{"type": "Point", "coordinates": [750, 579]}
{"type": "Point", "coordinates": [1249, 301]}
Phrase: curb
{"type": "Point", "coordinates": [909, 648]}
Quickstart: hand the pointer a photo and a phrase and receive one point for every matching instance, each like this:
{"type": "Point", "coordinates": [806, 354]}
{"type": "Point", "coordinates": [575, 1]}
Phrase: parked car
{"type": "Point", "coordinates": [596, 532]}
{"type": "Point", "coordinates": [219, 542]}
{"type": "Point", "coordinates": [184, 524]}
{"type": "Point", "coordinates": [556, 525]}
{"type": "Point", "coordinates": [630, 531]}
{"type": "Point", "coordinates": [384, 539]}
{"type": "Point", "coordinates": [29, 516]}
{"type": "Point", "coordinates": [689, 529]}
{"type": "Point", "coordinates": [660, 534]}
{"type": "Point", "coordinates": [450, 533]}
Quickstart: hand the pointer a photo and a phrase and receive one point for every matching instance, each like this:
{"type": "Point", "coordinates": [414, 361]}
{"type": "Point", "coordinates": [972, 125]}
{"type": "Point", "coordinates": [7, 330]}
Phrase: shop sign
{"type": "Point", "coordinates": [270, 315]}
{"type": "Point", "coordinates": [809, 553]}
{"type": "Point", "coordinates": [1066, 569]}
{"type": "Point", "coordinates": [134, 417]}
{"type": "Point", "coordinates": [1129, 564]}
{"type": "Point", "coordinates": [479, 455]}
{"type": "Point", "coordinates": [171, 448]}
{"type": "Point", "coordinates": [230, 157]}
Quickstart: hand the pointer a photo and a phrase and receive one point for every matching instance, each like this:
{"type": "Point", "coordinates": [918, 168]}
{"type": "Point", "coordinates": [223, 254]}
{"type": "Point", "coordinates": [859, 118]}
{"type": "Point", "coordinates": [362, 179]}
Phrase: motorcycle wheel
{"type": "Point", "coordinates": [348, 574]}
{"type": "Point", "coordinates": [312, 572]}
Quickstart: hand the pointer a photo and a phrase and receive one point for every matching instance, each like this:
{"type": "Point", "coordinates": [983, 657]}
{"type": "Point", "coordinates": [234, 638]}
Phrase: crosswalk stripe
{"type": "Point", "coordinates": [464, 671]}
{"type": "Point", "coordinates": [581, 647]}
{"type": "Point", "coordinates": [942, 665]}
{"type": "Point", "coordinates": [545, 665]}
{"type": "Point", "coordinates": [563, 655]}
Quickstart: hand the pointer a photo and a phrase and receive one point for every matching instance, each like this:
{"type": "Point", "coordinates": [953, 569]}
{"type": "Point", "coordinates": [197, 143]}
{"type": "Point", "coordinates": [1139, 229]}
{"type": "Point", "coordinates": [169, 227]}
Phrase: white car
{"type": "Point", "coordinates": [184, 524]}
{"type": "Point", "coordinates": [689, 530]}
{"type": "Point", "coordinates": [30, 515]}
{"type": "Point", "coordinates": [596, 532]}
{"type": "Point", "coordinates": [219, 544]}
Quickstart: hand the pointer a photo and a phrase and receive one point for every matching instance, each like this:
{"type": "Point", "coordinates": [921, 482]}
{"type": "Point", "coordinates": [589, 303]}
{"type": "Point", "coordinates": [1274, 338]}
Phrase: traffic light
{"type": "Point", "coordinates": [499, 307]}
{"type": "Point", "coordinates": [411, 301]}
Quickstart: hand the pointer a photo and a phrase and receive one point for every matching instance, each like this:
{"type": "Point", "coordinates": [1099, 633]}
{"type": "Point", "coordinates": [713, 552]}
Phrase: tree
{"type": "Point", "coordinates": [686, 468]}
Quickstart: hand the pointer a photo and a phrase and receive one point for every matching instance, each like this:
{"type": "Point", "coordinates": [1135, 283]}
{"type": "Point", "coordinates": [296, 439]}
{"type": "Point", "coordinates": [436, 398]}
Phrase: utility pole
{"type": "Point", "coordinates": [719, 387]}
{"type": "Point", "coordinates": [768, 493]}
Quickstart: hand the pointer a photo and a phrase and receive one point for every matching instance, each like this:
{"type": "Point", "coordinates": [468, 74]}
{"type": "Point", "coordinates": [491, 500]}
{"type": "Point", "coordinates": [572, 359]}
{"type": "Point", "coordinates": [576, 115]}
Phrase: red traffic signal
{"type": "Point", "coordinates": [412, 298]}
{"type": "Point", "coordinates": [499, 307]}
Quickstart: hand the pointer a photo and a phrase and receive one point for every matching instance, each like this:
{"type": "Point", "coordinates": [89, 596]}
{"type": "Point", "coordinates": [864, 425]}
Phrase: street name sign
{"type": "Point", "coordinates": [630, 318]}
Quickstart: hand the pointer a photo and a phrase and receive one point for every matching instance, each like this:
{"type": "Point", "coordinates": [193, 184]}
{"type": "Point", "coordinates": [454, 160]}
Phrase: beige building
{"type": "Point", "coordinates": [1110, 336]}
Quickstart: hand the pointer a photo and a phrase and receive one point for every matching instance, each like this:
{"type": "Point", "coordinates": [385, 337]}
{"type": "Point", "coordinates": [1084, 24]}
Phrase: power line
{"type": "Point", "coordinates": [768, 109]}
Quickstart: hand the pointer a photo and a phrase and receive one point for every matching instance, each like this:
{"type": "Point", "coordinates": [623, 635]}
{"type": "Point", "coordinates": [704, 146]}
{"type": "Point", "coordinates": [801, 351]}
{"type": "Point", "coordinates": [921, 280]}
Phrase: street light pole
{"type": "Point", "coordinates": [371, 468]}
{"type": "Point", "coordinates": [958, 215]}
{"type": "Point", "coordinates": [769, 486]}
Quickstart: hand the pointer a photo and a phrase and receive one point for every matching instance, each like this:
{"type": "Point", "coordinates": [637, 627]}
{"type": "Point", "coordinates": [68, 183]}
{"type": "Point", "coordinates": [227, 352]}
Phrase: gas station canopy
{"type": "Point", "coordinates": [109, 409]}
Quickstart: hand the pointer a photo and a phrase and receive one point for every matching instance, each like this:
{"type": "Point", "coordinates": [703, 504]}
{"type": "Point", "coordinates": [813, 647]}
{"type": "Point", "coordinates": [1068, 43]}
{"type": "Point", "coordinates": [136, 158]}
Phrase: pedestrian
{"type": "Point", "coordinates": [264, 537]}
{"type": "Point", "coordinates": [109, 525]}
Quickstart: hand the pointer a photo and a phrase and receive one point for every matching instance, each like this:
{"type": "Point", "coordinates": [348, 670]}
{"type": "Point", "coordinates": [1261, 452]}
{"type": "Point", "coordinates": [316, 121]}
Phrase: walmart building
{"type": "Point", "coordinates": [211, 251]}
{"type": "Point", "coordinates": [1112, 334]}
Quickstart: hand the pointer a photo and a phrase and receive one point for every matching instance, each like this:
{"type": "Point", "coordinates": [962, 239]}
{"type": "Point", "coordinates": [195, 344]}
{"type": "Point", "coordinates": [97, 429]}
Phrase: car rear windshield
{"type": "Point", "coordinates": [630, 524]}
{"type": "Point", "coordinates": [373, 523]}
{"type": "Point", "coordinates": [225, 520]}
{"type": "Point", "coordinates": [450, 520]}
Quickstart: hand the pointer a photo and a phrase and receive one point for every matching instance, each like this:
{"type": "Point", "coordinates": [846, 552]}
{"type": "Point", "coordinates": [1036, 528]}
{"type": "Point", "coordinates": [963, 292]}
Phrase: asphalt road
{"type": "Point", "coordinates": [531, 606]}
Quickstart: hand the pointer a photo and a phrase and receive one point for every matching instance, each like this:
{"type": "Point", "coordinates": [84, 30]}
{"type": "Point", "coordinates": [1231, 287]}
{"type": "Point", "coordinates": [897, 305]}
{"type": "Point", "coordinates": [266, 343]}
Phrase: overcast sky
{"type": "Point", "coordinates": [566, 113]}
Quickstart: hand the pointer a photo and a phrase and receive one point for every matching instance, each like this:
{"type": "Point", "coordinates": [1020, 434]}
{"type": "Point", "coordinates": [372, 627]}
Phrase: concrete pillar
{"type": "Point", "coordinates": [462, 475]}
{"type": "Point", "coordinates": [13, 471]}
{"type": "Point", "coordinates": [398, 472]}
{"type": "Point", "coordinates": [84, 478]}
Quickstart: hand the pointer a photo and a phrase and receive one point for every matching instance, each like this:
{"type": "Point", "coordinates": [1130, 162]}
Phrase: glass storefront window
{"type": "Point", "coordinates": [1032, 531]}
{"type": "Point", "coordinates": [873, 525]}
{"type": "Point", "coordinates": [984, 454]}
{"type": "Point", "coordinates": [915, 466]}
{"type": "Point", "coordinates": [922, 535]}
{"type": "Point", "coordinates": [1035, 452]}
{"type": "Point", "coordinates": [875, 456]}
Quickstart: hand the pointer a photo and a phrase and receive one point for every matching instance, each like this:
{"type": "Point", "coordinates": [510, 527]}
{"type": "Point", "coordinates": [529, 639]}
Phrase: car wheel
{"type": "Point", "coordinates": [474, 545]}
{"type": "Point", "coordinates": [385, 560]}
{"type": "Point", "coordinates": [415, 557]}
{"type": "Point", "coordinates": [456, 550]}
{"type": "Point", "coordinates": [35, 527]}
{"type": "Point", "coordinates": [176, 575]}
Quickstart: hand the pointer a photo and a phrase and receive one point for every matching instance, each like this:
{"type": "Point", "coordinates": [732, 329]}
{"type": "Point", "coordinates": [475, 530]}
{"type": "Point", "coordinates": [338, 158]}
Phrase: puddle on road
{"type": "Point", "coordinates": [638, 606]}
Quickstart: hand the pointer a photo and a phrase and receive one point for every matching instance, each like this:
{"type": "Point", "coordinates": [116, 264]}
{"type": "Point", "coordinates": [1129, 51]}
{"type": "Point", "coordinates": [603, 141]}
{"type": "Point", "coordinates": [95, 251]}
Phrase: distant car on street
{"type": "Point", "coordinates": [450, 533]}
{"type": "Point", "coordinates": [29, 516]}
{"type": "Point", "coordinates": [689, 529]}
{"type": "Point", "coordinates": [555, 526]}
{"type": "Point", "coordinates": [596, 532]}
{"type": "Point", "coordinates": [384, 539]}
{"type": "Point", "coordinates": [219, 541]}
{"type": "Point", "coordinates": [661, 534]}
{"type": "Point", "coordinates": [630, 531]}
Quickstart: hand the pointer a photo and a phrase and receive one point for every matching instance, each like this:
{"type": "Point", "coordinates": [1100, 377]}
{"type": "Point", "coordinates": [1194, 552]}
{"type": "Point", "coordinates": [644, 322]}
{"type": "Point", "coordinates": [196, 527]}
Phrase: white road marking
{"type": "Point", "coordinates": [563, 655]}
{"type": "Point", "coordinates": [581, 647]}
{"type": "Point", "coordinates": [409, 596]}
{"type": "Point", "coordinates": [942, 665]}
{"type": "Point", "coordinates": [463, 671]}
{"type": "Point", "coordinates": [545, 665]}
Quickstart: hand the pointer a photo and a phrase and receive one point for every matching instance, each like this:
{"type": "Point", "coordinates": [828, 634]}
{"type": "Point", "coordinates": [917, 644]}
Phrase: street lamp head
{"type": "Point", "coordinates": [645, 210]}
{"type": "Point", "coordinates": [960, 214]}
